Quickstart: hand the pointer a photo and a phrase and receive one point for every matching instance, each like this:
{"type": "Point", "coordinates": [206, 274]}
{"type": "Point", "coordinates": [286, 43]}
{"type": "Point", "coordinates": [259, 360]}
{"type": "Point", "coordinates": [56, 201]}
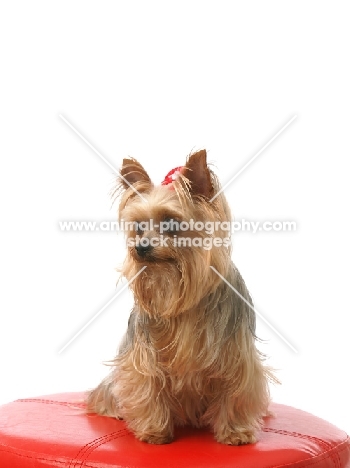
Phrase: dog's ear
{"type": "Point", "coordinates": [132, 172]}
{"type": "Point", "coordinates": [197, 173]}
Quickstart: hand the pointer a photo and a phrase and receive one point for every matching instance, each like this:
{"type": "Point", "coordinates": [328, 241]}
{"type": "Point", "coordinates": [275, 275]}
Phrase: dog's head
{"type": "Point", "coordinates": [177, 231]}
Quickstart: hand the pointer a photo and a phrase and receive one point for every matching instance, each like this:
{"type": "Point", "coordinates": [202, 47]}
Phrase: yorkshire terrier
{"type": "Point", "coordinates": [189, 353]}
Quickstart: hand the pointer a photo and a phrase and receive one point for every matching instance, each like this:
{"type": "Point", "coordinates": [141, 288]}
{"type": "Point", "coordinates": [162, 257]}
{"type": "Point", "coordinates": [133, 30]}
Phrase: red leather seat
{"type": "Point", "coordinates": [54, 431]}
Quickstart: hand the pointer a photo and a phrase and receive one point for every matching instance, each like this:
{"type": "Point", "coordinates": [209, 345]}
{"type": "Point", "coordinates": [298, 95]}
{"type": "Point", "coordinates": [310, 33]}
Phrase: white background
{"type": "Point", "coordinates": [155, 80]}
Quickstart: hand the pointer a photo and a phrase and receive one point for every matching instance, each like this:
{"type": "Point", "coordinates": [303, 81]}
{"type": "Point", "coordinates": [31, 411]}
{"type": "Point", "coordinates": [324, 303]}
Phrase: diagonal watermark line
{"type": "Point", "coordinates": [100, 155]}
{"type": "Point", "coordinates": [253, 158]}
{"type": "Point", "coordinates": [257, 313]}
{"type": "Point", "coordinates": [100, 311]}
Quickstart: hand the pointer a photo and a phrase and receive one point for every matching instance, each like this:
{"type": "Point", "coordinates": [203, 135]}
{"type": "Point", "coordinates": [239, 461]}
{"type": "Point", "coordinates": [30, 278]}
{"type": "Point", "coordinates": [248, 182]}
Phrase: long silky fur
{"type": "Point", "coordinates": [189, 354]}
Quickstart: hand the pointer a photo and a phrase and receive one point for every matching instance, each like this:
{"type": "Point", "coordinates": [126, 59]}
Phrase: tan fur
{"type": "Point", "coordinates": [189, 354]}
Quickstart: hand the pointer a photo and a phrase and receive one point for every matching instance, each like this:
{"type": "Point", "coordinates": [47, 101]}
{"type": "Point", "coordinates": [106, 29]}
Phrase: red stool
{"type": "Point", "coordinates": [54, 431]}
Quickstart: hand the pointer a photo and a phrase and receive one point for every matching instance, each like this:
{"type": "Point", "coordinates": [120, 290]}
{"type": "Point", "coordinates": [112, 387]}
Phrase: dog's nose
{"type": "Point", "coordinates": [142, 250]}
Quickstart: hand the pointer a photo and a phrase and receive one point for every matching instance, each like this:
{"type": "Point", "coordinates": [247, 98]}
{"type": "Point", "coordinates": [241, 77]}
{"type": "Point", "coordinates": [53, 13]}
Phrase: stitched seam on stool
{"type": "Point", "coordinates": [85, 451]}
{"type": "Point", "coordinates": [50, 402]}
{"type": "Point", "coordinates": [80, 455]}
{"type": "Point", "coordinates": [101, 442]}
{"type": "Point", "coordinates": [323, 444]}
{"type": "Point", "coordinates": [320, 442]}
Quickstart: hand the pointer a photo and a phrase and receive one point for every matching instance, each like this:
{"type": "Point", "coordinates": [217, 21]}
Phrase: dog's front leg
{"type": "Point", "coordinates": [144, 406]}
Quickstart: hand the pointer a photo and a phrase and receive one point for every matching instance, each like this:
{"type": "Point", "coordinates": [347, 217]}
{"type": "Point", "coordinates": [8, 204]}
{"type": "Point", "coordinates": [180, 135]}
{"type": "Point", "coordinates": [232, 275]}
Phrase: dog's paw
{"type": "Point", "coordinates": [232, 437]}
{"type": "Point", "coordinates": [157, 439]}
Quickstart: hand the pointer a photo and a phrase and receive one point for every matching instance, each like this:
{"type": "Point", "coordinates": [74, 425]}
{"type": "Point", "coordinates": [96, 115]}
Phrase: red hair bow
{"type": "Point", "coordinates": [172, 175]}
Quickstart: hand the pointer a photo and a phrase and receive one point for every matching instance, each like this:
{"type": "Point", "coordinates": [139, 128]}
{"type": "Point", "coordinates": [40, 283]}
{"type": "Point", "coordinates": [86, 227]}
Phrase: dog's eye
{"type": "Point", "coordinates": [170, 225]}
{"type": "Point", "coordinates": [138, 228]}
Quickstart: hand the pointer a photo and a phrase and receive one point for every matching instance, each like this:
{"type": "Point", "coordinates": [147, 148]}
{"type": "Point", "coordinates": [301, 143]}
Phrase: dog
{"type": "Point", "coordinates": [189, 355]}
